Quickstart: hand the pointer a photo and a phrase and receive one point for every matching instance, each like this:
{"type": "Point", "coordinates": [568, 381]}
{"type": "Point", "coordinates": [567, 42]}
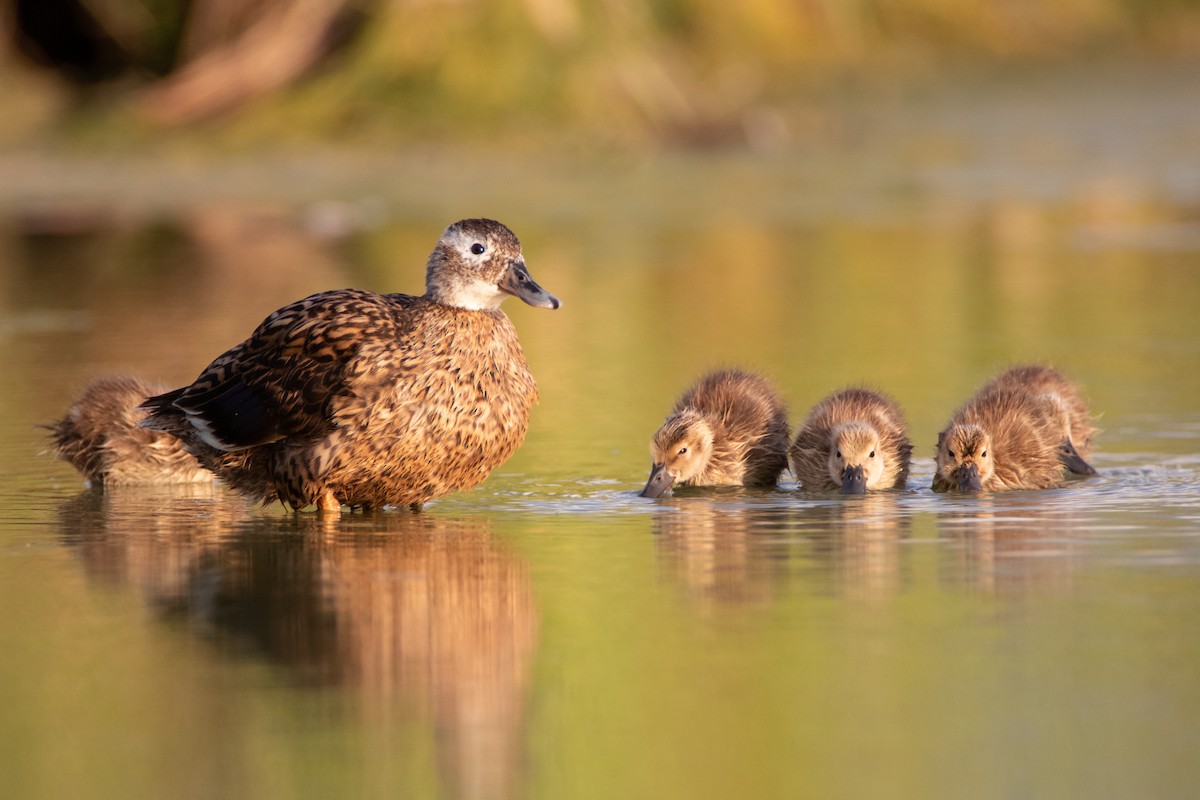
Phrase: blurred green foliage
{"type": "Point", "coordinates": [618, 71]}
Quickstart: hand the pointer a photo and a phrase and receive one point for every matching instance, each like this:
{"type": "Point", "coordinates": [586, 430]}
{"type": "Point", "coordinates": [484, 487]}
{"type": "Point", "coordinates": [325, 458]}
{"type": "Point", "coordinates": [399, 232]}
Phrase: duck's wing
{"type": "Point", "coordinates": [282, 382]}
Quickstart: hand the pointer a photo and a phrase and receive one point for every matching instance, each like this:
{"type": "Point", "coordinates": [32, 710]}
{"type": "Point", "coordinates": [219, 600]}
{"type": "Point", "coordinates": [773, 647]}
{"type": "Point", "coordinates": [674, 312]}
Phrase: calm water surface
{"type": "Point", "coordinates": [553, 635]}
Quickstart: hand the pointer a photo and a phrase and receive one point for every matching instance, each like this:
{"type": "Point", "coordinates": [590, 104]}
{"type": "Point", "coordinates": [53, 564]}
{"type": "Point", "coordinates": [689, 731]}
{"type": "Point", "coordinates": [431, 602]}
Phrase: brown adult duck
{"type": "Point", "coordinates": [1003, 438]}
{"type": "Point", "coordinates": [729, 429]}
{"type": "Point", "coordinates": [1069, 408]}
{"type": "Point", "coordinates": [100, 436]}
{"type": "Point", "coordinates": [349, 398]}
{"type": "Point", "coordinates": [853, 441]}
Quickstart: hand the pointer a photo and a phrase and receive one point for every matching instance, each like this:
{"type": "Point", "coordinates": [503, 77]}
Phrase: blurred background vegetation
{"type": "Point", "coordinates": [518, 72]}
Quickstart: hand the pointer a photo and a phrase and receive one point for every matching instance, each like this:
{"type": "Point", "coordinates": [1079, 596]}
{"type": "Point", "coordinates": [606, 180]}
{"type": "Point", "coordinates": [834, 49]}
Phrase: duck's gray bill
{"type": "Point", "coordinates": [518, 282]}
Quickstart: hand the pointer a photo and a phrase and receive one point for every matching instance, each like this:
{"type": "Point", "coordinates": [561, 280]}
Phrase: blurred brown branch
{"type": "Point", "coordinates": [280, 42]}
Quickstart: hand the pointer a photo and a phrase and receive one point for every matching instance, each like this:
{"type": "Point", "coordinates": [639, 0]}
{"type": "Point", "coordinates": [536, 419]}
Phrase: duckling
{"type": "Point", "coordinates": [729, 429]}
{"type": "Point", "coordinates": [100, 437]}
{"type": "Point", "coordinates": [359, 399]}
{"type": "Point", "coordinates": [1003, 438]}
{"type": "Point", "coordinates": [1070, 410]}
{"type": "Point", "coordinates": [854, 440]}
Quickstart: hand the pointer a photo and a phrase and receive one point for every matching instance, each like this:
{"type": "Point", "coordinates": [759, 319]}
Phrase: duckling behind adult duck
{"type": "Point", "coordinates": [100, 436]}
{"type": "Point", "coordinates": [855, 440]}
{"type": "Point", "coordinates": [1070, 409]}
{"type": "Point", "coordinates": [360, 399]}
{"type": "Point", "coordinates": [729, 429]}
{"type": "Point", "coordinates": [1003, 438]}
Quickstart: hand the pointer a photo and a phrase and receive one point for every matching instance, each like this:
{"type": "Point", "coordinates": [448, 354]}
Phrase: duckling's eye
{"type": "Point", "coordinates": [682, 450]}
{"type": "Point", "coordinates": [871, 454]}
{"type": "Point", "coordinates": [478, 249]}
{"type": "Point", "coordinates": [839, 453]}
{"type": "Point", "coordinates": [951, 452]}
{"type": "Point", "coordinates": [983, 454]}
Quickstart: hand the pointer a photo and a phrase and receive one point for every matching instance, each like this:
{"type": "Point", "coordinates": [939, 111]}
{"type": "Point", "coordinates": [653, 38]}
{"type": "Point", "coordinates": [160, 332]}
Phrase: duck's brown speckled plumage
{"type": "Point", "coordinates": [732, 429]}
{"type": "Point", "coordinates": [854, 440]}
{"type": "Point", "coordinates": [1003, 438]}
{"type": "Point", "coordinates": [354, 398]}
{"type": "Point", "coordinates": [1070, 409]}
{"type": "Point", "coordinates": [100, 436]}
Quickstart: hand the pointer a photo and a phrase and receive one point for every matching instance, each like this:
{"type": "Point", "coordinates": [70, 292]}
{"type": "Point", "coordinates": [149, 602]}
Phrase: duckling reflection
{"type": "Point", "coordinates": [855, 548]}
{"type": "Point", "coordinates": [424, 617]}
{"type": "Point", "coordinates": [721, 554]}
{"type": "Point", "coordinates": [729, 429]}
{"type": "Point", "coordinates": [1007, 551]}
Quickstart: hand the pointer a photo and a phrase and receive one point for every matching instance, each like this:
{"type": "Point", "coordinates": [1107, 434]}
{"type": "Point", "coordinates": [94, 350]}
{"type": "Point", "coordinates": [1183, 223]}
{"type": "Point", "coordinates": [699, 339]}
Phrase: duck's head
{"type": "Point", "coordinates": [679, 451]}
{"type": "Point", "coordinates": [855, 457]}
{"type": "Point", "coordinates": [477, 264]}
{"type": "Point", "coordinates": [964, 457]}
{"type": "Point", "coordinates": [1068, 456]}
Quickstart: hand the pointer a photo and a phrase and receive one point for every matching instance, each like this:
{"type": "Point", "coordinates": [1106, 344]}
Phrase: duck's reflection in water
{"type": "Point", "coordinates": [421, 616]}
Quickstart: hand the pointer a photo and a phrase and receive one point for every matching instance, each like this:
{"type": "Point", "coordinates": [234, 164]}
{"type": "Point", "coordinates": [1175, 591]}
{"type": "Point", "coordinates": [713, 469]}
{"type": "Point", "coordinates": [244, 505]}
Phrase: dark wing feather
{"type": "Point", "coordinates": [281, 381]}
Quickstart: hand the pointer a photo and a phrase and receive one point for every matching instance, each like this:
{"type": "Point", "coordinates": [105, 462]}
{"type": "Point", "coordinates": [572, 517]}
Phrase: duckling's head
{"type": "Point", "coordinates": [679, 452]}
{"type": "Point", "coordinates": [964, 457]}
{"type": "Point", "coordinates": [855, 457]}
{"type": "Point", "coordinates": [477, 264]}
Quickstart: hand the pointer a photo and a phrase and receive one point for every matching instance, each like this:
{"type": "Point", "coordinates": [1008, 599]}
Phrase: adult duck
{"type": "Point", "coordinates": [350, 398]}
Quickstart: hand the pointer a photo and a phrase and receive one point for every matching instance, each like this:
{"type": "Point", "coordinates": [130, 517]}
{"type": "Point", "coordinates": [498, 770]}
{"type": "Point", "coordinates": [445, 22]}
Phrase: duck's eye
{"type": "Point", "coordinates": [951, 452]}
{"type": "Point", "coordinates": [478, 249]}
{"type": "Point", "coordinates": [871, 454]}
{"type": "Point", "coordinates": [983, 454]}
{"type": "Point", "coordinates": [682, 450]}
{"type": "Point", "coordinates": [839, 453]}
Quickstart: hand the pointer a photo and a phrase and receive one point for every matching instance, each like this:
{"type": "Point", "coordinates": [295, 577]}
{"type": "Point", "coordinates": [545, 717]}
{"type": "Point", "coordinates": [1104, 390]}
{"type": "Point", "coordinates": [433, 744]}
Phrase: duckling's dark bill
{"type": "Point", "coordinates": [968, 478]}
{"type": "Point", "coordinates": [660, 481]}
{"type": "Point", "coordinates": [1071, 459]}
{"type": "Point", "coordinates": [518, 282]}
{"type": "Point", "coordinates": [854, 480]}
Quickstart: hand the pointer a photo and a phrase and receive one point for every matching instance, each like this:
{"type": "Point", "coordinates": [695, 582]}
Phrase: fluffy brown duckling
{"type": "Point", "coordinates": [1069, 407]}
{"type": "Point", "coordinates": [729, 429]}
{"type": "Point", "coordinates": [853, 441]}
{"type": "Point", "coordinates": [100, 436]}
{"type": "Point", "coordinates": [365, 400]}
{"type": "Point", "coordinates": [1003, 438]}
